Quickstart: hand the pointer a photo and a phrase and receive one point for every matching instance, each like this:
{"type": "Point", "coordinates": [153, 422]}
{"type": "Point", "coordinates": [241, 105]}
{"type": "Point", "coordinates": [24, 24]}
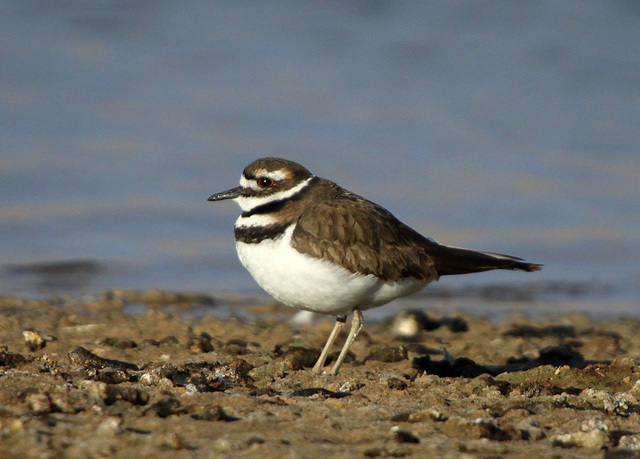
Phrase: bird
{"type": "Point", "coordinates": [315, 246]}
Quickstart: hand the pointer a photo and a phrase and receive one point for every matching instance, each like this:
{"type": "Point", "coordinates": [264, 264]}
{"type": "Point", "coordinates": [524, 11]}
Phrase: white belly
{"type": "Point", "coordinates": [308, 283]}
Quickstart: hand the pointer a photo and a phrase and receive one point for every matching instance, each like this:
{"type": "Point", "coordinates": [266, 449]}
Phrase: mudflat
{"type": "Point", "coordinates": [83, 378]}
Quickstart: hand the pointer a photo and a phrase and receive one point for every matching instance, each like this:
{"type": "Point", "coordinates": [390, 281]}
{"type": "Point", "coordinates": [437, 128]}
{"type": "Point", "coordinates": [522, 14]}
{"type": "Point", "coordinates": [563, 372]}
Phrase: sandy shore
{"type": "Point", "coordinates": [79, 378]}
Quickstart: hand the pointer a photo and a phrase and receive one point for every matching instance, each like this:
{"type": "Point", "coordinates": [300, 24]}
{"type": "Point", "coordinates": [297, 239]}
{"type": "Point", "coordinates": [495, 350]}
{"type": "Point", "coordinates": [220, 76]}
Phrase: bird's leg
{"type": "Point", "coordinates": [356, 325]}
{"type": "Point", "coordinates": [340, 321]}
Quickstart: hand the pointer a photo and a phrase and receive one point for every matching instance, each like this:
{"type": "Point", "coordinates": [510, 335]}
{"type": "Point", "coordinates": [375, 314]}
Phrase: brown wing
{"type": "Point", "coordinates": [363, 237]}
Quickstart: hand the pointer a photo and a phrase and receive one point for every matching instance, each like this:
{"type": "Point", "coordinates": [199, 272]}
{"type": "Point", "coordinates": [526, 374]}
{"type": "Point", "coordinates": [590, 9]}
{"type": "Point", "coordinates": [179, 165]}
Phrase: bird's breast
{"type": "Point", "coordinates": [312, 284]}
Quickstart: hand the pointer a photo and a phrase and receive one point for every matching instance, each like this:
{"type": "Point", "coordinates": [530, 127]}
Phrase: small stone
{"type": "Point", "coordinates": [215, 413]}
{"type": "Point", "coordinates": [635, 390]}
{"type": "Point", "coordinates": [39, 403]}
{"type": "Point", "coordinates": [560, 355]}
{"type": "Point", "coordinates": [14, 425]}
{"type": "Point", "coordinates": [395, 383]}
{"type": "Point", "coordinates": [402, 417]}
{"type": "Point", "coordinates": [593, 423]}
{"type": "Point", "coordinates": [297, 357]}
{"type": "Point", "coordinates": [34, 340]}
{"type": "Point", "coordinates": [110, 393]}
{"type": "Point", "coordinates": [399, 435]}
{"type": "Point", "coordinates": [530, 429]}
{"type": "Point", "coordinates": [129, 394]}
{"type": "Point", "coordinates": [255, 440]}
{"type": "Point", "coordinates": [201, 344]}
{"type": "Point", "coordinates": [81, 356]}
{"type": "Point", "coordinates": [409, 323]}
{"type": "Point", "coordinates": [95, 389]}
{"type": "Point", "coordinates": [169, 341]}
{"type": "Point", "coordinates": [10, 359]}
{"type": "Point", "coordinates": [153, 379]}
{"type": "Point", "coordinates": [437, 415]}
{"type": "Point", "coordinates": [166, 407]}
{"type": "Point", "coordinates": [476, 429]}
{"type": "Point", "coordinates": [147, 342]}
{"type": "Point", "coordinates": [111, 376]}
{"type": "Point", "coordinates": [238, 371]}
{"type": "Point", "coordinates": [387, 353]}
{"type": "Point", "coordinates": [61, 402]}
{"type": "Point", "coordinates": [317, 392]}
{"type": "Point", "coordinates": [110, 426]}
{"type": "Point", "coordinates": [630, 442]}
{"type": "Point", "coordinates": [119, 343]}
{"type": "Point", "coordinates": [350, 386]}
{"type": "Point", "coordinates": [595, 438]}
{"type": "Point", "coordinates": [171, 441]}
{"type": "Point", "coordinates": [457, 324]}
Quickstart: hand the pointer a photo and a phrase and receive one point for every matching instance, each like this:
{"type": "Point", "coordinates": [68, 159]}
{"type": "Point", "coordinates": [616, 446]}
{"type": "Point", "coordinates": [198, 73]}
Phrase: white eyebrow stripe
{"type": "Point", "coordinates": [251, 202]}
{"type": "Point", "coordinates": [275, 175]}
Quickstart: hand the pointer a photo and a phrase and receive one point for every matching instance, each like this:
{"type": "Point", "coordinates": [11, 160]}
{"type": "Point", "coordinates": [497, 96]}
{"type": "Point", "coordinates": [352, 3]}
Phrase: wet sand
{"type": "Point", "coordinates": [80, 378]}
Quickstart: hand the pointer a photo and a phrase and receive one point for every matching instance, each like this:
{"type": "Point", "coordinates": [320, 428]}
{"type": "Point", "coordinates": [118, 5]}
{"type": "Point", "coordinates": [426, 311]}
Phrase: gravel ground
{"type": "Point", "coordinates": [80, 378]}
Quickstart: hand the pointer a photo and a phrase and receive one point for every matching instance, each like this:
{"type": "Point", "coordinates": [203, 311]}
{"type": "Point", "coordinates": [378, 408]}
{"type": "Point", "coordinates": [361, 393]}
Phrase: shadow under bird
{"type": "Point", "coordinates": [315, 246]}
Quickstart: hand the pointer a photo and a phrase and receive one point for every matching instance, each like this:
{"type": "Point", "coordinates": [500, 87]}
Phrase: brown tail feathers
{"type": "Point", "coordinates": [454, 260]}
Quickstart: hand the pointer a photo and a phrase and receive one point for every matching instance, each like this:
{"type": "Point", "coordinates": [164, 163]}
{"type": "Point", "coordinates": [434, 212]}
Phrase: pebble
{"type": "Point", "coordinates": [393, 382]}
{"type": "Point", "coordinates": [350, 386]}
{"type": "Point", "coordinates": [166, 407]}
{"type": "Point", "coordinates": [297, 357]}
{"type": "Point", "coordinates": [387, 353]}
{"type": "Point", "coordinates": [595, 438]}
{"type": "Point", "coordinates": [170, 440]}
{"type": "Point", "coordinates": [409, 323]}
{"type": "Point", "coordinates": [400, 435]}
{"type": "Point", "coordinates": [34, 340]}
{"type": "Point", "coordinates": [39, 403]}
{"type": "Point", "coordinates": [10, 359]}
{"type": "Point", "coordinates": [475, 429]}
{"type": "Point", "coordinates": [110, 393]}
{"type": "Point", "coordinates": [530, 429]}
{"type": "Point", "coordinates": [152, 379]}
{"type": "Point", "coordinates": [630, 442]}
{"type": "Point", "coordinates": [215, 413]}
{"type": "Point", "coordinates": [110, 426]}
{"type": "Point", "coordinates": [81, 356]}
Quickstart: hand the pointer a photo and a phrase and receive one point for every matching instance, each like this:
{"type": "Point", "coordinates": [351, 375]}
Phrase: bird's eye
{"type": "Point", "coordinates": [265, 182]}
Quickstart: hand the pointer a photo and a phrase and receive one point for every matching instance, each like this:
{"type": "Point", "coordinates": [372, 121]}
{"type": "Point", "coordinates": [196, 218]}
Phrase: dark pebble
{"type": "Point", "coordinates": [403, 436]}
{"type": "Point", "coordinates": [215, 413]}
{"type": "Point", "coordinates": [321, 391]}
{"type": "Point", "coordinates": [396, 383]}
{"type": "Point", "coordinates": [560, 355]}
{"type": "Point", "coordinates": [119, 343]}
{"type": "Point", "coordinates": [298, 357]}
{"type": "Point", "coordinates": [10, 359]}
{"type": "Point", "coordinates": [170, 341]}
{"type": "Point", "coordinates": [128, 394]}
{"type": "Point", "coordinates": [166, 407]}
{"type": "Point", "coordinates": [387, 353]}
{"type": "Point", "coordinates": [81, 356]}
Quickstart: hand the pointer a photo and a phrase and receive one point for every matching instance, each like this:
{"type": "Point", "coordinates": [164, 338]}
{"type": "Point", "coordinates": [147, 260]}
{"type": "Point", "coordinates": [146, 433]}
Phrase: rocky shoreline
{"type": "Point", "coordinates": [82, 378]}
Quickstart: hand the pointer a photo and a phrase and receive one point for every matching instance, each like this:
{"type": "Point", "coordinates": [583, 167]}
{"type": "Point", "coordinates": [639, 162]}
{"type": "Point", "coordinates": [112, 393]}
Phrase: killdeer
{"type": "Point", "coordinates": [315, 246]}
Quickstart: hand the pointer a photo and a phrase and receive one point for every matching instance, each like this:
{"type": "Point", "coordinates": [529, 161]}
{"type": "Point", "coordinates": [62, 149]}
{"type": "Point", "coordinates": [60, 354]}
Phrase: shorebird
{"type": "Point", "coordinates": [315, 246]}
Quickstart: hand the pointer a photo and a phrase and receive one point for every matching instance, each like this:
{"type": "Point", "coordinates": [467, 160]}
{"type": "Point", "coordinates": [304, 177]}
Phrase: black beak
{"type": "Point", "coordinates": [229, 194]}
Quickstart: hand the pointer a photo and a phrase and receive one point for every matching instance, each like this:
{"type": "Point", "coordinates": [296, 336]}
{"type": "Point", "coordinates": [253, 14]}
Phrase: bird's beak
{"type": "Point", "coordinates": [229, 194]}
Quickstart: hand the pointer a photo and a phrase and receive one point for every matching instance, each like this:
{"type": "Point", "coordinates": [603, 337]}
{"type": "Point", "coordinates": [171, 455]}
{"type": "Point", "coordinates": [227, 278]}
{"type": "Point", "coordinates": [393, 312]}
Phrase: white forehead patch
{"type": "Point", "coordinates": [244, 183]}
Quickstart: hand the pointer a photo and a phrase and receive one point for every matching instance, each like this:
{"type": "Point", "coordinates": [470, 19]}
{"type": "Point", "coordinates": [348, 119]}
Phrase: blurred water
{"type": "Point", "coordinates": [504, 126]}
